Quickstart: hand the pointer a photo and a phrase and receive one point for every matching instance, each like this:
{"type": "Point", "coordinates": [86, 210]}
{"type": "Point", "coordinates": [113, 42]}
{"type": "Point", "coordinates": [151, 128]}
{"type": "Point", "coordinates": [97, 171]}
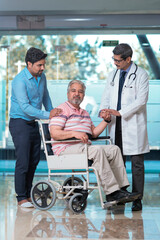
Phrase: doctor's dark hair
{"type": "Point", "coordinates": [124, 50]}
{"type": "Point", "coordinates": [76, 81]}
{"type": "Point", "coordinates": [34, 55]}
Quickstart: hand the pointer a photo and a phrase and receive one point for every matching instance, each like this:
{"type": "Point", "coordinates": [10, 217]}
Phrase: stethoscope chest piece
{"type": "Point", "coordinates": [112, 83]}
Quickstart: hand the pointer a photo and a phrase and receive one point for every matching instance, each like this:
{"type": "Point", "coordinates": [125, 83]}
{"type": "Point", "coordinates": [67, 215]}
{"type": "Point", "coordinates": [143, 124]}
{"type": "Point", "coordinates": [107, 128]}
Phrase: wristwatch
{"type": "Point", "coordinates": [108, 121]}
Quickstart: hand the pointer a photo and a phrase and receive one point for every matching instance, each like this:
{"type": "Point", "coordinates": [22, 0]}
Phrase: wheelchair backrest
{"type": "Point", "coordinates": [47, 137]}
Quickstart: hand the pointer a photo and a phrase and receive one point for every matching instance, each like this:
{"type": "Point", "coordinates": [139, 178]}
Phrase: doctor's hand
{"type": "Point", "coordinates": [113, 112]}
{"type": "Point", "coordinates": [55, 112]}
{"type": "Point", "coordinates": [105, 115]}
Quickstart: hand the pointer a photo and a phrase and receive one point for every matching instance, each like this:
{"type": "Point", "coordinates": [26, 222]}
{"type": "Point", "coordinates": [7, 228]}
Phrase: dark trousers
{"type": "Point", "coordinates": [136, 160]}
{"type": "Point", "coordinates": [27, 142]}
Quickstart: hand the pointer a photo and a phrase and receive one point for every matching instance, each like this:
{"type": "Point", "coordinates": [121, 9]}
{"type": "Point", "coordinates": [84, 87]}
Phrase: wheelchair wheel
{"type": "Point", "coordinates": [76, 205]}
{"type": "Point", "coordinates": [43, 195]}
{"type": "Point", "coordinates": [71, 181]}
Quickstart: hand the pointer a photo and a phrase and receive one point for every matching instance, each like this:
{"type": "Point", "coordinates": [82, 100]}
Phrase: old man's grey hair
{"type": "Point", "coordinates": [76, 81]}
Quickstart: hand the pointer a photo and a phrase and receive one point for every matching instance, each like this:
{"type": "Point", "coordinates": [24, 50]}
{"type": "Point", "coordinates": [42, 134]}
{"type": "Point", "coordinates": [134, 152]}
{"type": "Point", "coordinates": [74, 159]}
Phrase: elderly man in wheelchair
{"type": "Point", "coordinates": [75, 122]}
{"type": "Point", "coordinates": [71, 134]}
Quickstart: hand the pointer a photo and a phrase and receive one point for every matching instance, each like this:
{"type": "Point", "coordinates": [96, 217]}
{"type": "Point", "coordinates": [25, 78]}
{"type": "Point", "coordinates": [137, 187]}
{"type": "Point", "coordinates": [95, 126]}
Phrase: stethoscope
{"type": "Point", "coordinates": [133, 75]}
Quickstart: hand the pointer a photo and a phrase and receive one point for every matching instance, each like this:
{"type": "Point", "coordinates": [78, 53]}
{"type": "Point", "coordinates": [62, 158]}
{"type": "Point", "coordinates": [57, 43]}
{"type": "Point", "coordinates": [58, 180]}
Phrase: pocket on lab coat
{"type": "Point", "coordinates": [128, 96]}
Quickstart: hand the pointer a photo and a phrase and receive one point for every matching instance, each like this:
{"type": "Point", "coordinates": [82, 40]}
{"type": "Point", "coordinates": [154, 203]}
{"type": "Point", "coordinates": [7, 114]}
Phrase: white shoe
{"type": "Point", "coordinates": [26, 205]}
{"type": "Point", "coordinates": [22, 210]}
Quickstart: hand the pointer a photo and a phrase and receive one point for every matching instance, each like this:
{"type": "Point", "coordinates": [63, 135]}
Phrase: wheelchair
{"type": "Point", "coordinates": [75, 190]}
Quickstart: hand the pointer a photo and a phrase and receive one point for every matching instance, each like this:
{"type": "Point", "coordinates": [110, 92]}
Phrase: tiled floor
{"type": "Point", "coordinates": [95, 223]}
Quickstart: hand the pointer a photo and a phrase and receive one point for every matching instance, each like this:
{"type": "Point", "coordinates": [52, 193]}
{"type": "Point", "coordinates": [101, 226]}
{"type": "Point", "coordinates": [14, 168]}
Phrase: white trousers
{"type": "Point", "coordinates": [107, 159]}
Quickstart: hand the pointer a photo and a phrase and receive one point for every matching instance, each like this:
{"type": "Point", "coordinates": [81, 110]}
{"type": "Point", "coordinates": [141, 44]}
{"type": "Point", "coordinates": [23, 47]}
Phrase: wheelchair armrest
{"type": "Point", "coordinates": [101, 138]}
{"type": "Point", "coordinates": [98, 138]}
{"type": "Point", "coordinates": [64, 140]}
{"type": "Point", "coordinates": [78, 140]}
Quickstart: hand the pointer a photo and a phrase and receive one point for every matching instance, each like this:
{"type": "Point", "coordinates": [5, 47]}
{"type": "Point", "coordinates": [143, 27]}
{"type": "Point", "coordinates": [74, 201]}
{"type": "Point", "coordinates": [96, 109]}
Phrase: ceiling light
{"type": "Point", "coordinates": [77, 19]}
{"type": "Point", "coordinates": [145, 44]}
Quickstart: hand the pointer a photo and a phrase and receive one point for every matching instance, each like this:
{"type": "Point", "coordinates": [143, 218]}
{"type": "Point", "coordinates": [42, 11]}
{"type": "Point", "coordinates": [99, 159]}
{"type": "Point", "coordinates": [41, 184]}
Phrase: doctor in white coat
{"type": "Point", "coordinates": [125, 97]}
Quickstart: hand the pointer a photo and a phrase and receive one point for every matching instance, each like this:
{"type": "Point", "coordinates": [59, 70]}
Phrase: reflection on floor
{"type": "Point", "coordinates": [96, 223]}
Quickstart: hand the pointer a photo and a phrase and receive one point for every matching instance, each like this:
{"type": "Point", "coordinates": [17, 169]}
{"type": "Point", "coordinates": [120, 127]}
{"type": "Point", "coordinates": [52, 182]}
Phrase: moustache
{"type": "Point", "coordinates": [77, 97]}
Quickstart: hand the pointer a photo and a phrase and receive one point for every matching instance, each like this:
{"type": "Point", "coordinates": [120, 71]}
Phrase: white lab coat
{"type": "Point", "coordinates": [133, 110]}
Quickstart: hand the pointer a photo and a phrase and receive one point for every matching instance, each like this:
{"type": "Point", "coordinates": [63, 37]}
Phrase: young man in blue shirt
{"type": "Point", "coordinates": [29, 93]}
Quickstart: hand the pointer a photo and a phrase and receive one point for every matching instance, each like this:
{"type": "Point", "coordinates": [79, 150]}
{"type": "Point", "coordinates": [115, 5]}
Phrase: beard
{"type": "Point", "coordinates": [39, 73]}
{"type": "Point", "coordinates": [76, 101]}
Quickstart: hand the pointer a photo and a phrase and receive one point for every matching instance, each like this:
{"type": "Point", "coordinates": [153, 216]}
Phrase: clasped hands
{"type": "Point", "coordinates": [106, 114]}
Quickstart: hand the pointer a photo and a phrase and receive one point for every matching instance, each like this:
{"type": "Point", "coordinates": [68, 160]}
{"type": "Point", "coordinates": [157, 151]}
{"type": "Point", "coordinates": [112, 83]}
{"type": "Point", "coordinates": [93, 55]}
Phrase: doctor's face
{"type": "Point", "coordinates": [121, 63]}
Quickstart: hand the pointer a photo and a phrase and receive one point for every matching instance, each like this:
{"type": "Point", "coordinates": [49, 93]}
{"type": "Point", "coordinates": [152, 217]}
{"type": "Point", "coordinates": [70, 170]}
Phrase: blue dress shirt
{"type": "Point", "coordinates": [28, 95]}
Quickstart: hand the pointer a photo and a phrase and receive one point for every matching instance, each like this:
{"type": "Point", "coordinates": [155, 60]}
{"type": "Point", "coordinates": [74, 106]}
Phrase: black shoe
{"type": "Point", "coordinates": [121, 204]}
{"type": "Point", "coordinates": [122, 196]}
{"type": "Point", "coordinates": [117, 196]}
{"type": "Point", "coordinates": [137, 205]}
{"type": "Point", "coordinates": [131, 196]}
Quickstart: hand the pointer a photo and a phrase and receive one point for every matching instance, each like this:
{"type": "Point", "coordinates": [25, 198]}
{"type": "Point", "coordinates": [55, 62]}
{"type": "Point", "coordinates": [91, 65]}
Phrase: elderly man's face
{"type": "Point", "coordinates": [75, 94]}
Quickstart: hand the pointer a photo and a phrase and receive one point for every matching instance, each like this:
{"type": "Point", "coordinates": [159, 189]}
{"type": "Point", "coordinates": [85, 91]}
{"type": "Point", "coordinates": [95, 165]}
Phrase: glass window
{"type": "Point", "coordinates": [82, 57]}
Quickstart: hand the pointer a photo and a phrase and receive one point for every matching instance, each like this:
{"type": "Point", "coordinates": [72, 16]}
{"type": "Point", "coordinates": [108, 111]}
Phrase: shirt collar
{"type": "Point", "coordinates": [127, 70]}
{"type": "Point", "coordinates": [29, 75]}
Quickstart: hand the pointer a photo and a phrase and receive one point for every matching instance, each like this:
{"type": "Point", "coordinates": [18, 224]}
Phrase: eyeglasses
{"type": "Point", "coordinates": [116, 60]}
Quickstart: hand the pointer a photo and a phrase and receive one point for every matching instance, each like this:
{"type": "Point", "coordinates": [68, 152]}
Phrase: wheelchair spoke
{"type": "Point", "coordinates": [48, 191]}
{"type": "Point", "coordinates": [37, 191]}
{"type": "Point", "coordinates": [43, 187]}
{"type": "Point", "coordinates": [44, 202]}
